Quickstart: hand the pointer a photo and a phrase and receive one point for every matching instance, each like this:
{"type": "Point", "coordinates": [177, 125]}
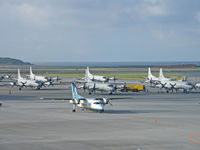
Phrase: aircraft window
{"type": "Point", "coordinates": [97, 102]}
{"type": "Point", "coordinates": [82, 99]}
{"type": "Point", "coordinates": [98, 98]}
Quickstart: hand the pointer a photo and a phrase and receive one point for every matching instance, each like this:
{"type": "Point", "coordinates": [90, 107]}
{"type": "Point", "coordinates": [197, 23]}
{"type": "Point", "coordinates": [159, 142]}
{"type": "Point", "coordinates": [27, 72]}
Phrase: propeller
{"type": "Point", "coordinates": [163, 85]}
{"type": "Point", "coordinates": [84, 87]}
{"type": "Point", "coordinates": [23, 83]}
{"type": "Point", "coordinates": [57, 78]}
{"type": "Point", "coordinates": [115, 88]}
{"type": "Point", "coordinates": [13, 84]}
{"type": "Point", "coordinates": [42, 84]}
{"type": "Point", "coordinates": [110, 103]}
{"type": "Point", "coordinates": [114, 78]}
{"type": "Point", "coordinates": [107, 101]}
{"type": "Point", "coordinates": [94, 87]}
{"type": "Point", "coordinates": [51, 83]}
{"type": "Point", "coordinates": [124, 87]}
{"type": "Point", "coordinates": [173, 86]}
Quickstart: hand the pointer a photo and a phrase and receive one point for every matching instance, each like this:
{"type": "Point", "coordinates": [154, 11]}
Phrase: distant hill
{"type": "Point", "coordinates": [12, 61]}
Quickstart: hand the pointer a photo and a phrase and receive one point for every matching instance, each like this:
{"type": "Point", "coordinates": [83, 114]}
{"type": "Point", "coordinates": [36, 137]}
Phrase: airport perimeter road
{"type": "Point", "coordinates": [147, 122]}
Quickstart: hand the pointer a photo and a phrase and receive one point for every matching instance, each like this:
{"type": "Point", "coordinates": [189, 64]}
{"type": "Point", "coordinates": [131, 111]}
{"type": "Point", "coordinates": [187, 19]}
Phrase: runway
{"type": "Point", "coordinates": [142, 121]}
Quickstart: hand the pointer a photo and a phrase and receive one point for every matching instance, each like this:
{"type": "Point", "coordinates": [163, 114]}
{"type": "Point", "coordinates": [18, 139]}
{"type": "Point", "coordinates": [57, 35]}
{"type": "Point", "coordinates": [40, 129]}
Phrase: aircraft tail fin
{"type": "Point", "coordinates": [19, 75]}
{"type": "Point", "coordinates": [74, 91]}
{"type": "Point", "coordinates": [31, 72]}
{"type": "Point", "coordinates": [149, 73]}
{"type": "Point", "coordinates": [87, 74]}
{"type": "Point", "coordinates": [161, 76]}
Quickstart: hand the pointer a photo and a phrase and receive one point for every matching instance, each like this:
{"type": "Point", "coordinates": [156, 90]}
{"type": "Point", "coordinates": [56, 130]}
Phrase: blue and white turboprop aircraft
{"type": "Point", "coordinates": [94, 104]}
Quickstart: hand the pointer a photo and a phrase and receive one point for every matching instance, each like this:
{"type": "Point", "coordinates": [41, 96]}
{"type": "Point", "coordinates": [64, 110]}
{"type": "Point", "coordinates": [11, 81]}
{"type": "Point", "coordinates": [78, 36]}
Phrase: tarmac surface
{"type": "Point", "coordinates": [142, 121]}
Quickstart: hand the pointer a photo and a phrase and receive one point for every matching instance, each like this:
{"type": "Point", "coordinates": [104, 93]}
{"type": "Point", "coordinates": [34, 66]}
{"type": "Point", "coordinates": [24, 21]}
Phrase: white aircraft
{"type": "Point", "coordinates": [95, 104]}
{"type": "Point", "coordinates": [162, 78]}
{"type": "Point", "coordinates": [23, 82]}
{"type": "Point", "coordinates": [93, 86]}
{"type": "Point", "coordinates": [97, 77]}
{"type": "Point", "coordinates": [168, 83]}
{"type": "Point", "coordinates": [2, 77]}
{"type": "Point", "coordinates": [38, 78]}
{"type": "Point", "coordinates": [46, 81]}
{"type": "Point", "coordinates": [177, 85]}
{"type": "Point", "coordinates": [98, 86]}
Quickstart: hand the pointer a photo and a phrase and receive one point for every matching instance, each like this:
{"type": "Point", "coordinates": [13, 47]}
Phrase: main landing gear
{"type": "Point", "coordinates": [74, 108]}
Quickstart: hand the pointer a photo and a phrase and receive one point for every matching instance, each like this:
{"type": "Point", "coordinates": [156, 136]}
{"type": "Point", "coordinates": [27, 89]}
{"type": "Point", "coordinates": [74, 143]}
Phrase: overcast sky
{"type": "Point", "coordinates": [100, 30]}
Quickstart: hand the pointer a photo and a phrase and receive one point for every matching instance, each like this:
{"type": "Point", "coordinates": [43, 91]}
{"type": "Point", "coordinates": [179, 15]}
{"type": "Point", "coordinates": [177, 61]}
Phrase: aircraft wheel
{"type": "Point", "coordinates": [101, 111]}
{"type": "Point", "coordinates": [73, 110]}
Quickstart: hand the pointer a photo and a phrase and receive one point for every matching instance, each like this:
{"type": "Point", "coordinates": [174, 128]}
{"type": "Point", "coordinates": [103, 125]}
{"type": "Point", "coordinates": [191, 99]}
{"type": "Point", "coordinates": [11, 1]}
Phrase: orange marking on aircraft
{"type": "Point", "coordinates": [180, 135]}
{"type": "Point", "coordinates": [193, 136]}
{"type": "Point", "coordinates": [156, 121]}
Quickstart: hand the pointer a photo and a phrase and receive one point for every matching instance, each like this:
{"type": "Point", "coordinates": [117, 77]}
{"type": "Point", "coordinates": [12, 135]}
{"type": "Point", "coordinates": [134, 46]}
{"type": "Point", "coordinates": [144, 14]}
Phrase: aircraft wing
{"type": "Point", "coordinates": [55, 98]}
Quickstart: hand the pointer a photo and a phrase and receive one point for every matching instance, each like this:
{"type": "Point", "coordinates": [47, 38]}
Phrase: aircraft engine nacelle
{"type": "Point", "coordinates": [77, 101]}
{"type": "Point", "coordinates": [12, 83]}
{"type": "Point", "coordinates": [71, 101]}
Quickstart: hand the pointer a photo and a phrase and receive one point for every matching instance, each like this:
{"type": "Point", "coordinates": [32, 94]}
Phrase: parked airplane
{"type": "Point", "coordinates": [46, 81]}
{"type": "Point", "coordinates": [95, 104]}
{"type": "Point", "coordinates": [177, 85]}
{"type": "Point", "coordinates": [155, 80]}
{"type": "Point", "coordinates": [23, 82]}
{"type": "Point", "coordinates": [39, 78]}
{"type": "Point", "coordinates": [98, 86]}
{"type": "Point", "coordinates": [93, 86]}
{"type": "Point", "coordinates": [98, 77]}
{"type": "Point", "coordinates": [2, 77]}
{"type": "Point", "coordinates": [168, 83]}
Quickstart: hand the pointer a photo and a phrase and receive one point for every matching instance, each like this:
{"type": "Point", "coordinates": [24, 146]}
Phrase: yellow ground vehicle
{"type": "Point", "coordinates": [132, 88]}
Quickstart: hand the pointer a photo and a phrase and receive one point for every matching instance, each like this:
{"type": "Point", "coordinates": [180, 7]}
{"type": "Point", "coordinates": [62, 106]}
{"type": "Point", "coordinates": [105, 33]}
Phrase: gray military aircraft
{"type": "Point", "coordinates": [23, 82]}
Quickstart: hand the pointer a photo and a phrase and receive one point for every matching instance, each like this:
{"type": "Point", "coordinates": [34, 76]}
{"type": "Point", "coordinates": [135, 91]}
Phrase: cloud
{"type": "Point", "coordinates": [33, 14]}
{"type": "Point", "coordinates": [90, 28]}
{"type": "Point", "coordinates": [153, 8]}
{"type": "Point", "coordinates": [26, 13]}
